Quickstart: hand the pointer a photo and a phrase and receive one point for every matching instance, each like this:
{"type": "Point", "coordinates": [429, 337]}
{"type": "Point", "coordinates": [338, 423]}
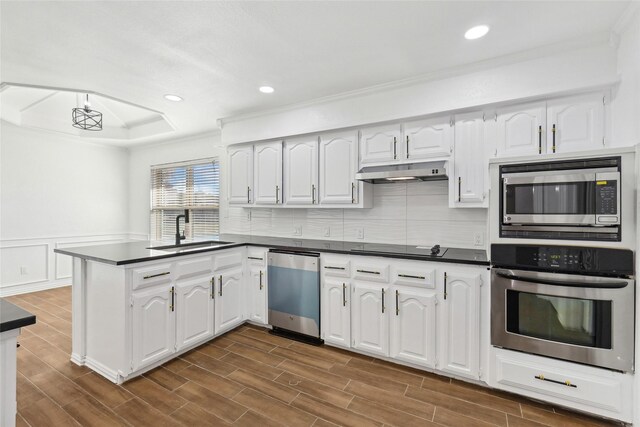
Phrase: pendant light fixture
{"type": "Point", "coordinates": [86, 118]}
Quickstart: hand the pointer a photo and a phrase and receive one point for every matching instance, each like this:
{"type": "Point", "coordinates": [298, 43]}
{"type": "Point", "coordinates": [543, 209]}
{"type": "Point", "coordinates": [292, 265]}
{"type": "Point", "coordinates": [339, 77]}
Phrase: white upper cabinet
{"type": "Point", "coordinates": [301, 171]}
{"type": "Point", "coordinates": [381, 144]}
{"type": "Point", "coordinates": [268, 173]}
{"type": "Point", "coordinates": [575, 124]}
{"type": "Point", "coordinates": [521, 130]}
{"type": "Point", "coordinates": [467, 183]}
{"type": "Point", "coordinates": [241, 175]}
{"type": "Point", "coordinates": [338, 166]}
{"type": "Point", "coordinates": [428, 138]}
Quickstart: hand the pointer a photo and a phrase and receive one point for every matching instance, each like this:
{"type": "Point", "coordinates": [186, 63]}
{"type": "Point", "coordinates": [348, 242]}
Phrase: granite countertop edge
{"type": "Point", "coordinates": [98, 253]}
{"type": "Point", "coordinates": [14, 317]}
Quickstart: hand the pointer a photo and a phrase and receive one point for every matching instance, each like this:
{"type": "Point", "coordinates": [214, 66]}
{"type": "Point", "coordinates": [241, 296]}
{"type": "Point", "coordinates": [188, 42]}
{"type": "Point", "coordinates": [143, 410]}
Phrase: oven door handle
{"type": "Point", "coordinates": [570, 283]}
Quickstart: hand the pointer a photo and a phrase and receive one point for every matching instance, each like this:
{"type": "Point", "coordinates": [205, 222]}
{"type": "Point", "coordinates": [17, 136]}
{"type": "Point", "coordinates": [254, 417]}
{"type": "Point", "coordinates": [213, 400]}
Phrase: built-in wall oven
{"type": "Point", "coordinates": [571, 199]}
{"type": "Point", "coordinates": [565, 302]}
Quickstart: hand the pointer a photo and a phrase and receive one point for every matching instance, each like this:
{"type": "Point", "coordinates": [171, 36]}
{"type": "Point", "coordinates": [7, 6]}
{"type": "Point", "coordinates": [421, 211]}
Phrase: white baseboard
{"type": "Point", "coordinates": [31, 287]}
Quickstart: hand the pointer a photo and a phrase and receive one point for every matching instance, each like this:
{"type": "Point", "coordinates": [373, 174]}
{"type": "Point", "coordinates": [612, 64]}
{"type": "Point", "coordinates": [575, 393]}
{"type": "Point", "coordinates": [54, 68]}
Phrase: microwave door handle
{"type": "Point", "coordinates": [570, 283]}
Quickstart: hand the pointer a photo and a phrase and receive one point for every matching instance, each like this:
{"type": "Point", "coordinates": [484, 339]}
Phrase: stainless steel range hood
{"type": "Point", "coordinates": [427, 171]}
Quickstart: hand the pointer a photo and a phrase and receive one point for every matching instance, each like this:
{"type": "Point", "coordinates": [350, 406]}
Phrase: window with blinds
{"type": "Point", "coordinates": [193, 185]}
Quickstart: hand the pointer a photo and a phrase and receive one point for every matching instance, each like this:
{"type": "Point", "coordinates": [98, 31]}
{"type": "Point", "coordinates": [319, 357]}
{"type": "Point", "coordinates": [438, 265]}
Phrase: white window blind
{"type": "Point", "coordinates": [193, 185]}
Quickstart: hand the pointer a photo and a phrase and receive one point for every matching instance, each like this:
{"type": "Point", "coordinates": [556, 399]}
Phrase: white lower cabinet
{"type": "Point", "coordinates": [256, 286]}
{"type": "Point", "coordinates": [587, 388]}
{"type": "Point", "coordinates": [154, 327]}
{"type": "Point", "coordinates": [194, 311]}
{"type": "Point", "coordinates": [336, 311]}
{"type": "Point", "coordinates": [370, 318]}
{"type": "Point", "coordinates": [229, 305]}
{"type": "Point", "coordinates": [460, 323]}
{"type": "Point", "coordinates": [413, 326]}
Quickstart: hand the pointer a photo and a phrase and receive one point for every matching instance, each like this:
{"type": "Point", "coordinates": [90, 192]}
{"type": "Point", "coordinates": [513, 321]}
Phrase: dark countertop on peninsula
{"type": "Point", "coordinates": [14, 317]}
{"type": "Point", "coordinates": [141, 251]}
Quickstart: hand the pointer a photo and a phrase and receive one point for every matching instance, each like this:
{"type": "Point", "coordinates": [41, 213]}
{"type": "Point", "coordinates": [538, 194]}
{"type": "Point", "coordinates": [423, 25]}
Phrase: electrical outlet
{"type": "Point", "coordinates": [477, 239]}
{"type": "Point", "coordinates": [248, 215]}
{"type": "Point", "coordinates": [297, 230]}
{"type": "Point", "coordinates": [24, 271]}
{"type": "Point", "coordinates": [327, 232]}
{"type": "Point", "coordinates": [360, 233]}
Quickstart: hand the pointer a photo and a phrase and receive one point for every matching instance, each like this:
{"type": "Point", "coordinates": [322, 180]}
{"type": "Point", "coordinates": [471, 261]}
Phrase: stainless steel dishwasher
{"type": "Point", "coordinates": [294, 294]}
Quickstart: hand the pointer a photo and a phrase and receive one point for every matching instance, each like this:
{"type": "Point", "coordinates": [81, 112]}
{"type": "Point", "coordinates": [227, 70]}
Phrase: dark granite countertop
{"type": "Point", "coordinates": [14, 317]}
{"type": "Point", "coordinates": [142, 251]}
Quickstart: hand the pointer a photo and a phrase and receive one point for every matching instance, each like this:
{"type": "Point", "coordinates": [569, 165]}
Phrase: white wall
{"type": "Point", "coordinates": [55, 191]}
{"type": "Point", "coordinates": [140, 161]}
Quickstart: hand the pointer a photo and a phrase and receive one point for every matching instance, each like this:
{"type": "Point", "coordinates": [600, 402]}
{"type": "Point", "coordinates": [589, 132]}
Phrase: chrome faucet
{"type": "Point", "coordinates": [186, 221]}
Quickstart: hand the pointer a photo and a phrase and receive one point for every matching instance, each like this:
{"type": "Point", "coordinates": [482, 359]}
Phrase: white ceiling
{"type": "Point", "coordinates": [216, 54]}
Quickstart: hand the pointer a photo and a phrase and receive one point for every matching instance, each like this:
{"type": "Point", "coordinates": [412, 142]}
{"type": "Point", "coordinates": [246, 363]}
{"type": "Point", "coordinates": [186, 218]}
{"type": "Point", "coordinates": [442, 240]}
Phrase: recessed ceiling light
{"type": "Point", "coordinates": [476, 32]}
{"type": "Point", "coordinates": [266, 89]}
{"type": "Point", "coordinates": [174, 98]}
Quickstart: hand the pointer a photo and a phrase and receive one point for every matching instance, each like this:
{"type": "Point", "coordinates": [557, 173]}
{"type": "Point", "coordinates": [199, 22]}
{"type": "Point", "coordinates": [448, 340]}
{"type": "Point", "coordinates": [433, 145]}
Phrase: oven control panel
{"type": "Point", "coordinates": [567, 259]}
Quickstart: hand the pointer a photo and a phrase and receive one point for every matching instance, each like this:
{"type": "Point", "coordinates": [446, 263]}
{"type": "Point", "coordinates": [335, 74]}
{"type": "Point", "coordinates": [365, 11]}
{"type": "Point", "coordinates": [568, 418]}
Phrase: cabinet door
{"type": "Point", "coordinates": [154, 333]}
{"type": "Point", "coordinates": [424, 139]}
{"type": "Point", "coordinates": [468, 184]}
{"type": "Point", "coordinates": [241, 175]}
{"type": "Point", "coordinates": [460, 345]}
{"type": "Point", "coordinates": [268, 173]}
{"type": "Point", "coordinates": [370, 318]}
{"type": "Point", "coordinates": [575, 124]}
{"type": "Point", "coordinates": [301, 171]}
{"type": "Point", "coordinates": [521, 130]}
{"type": "Point", "coordinates": [413, 326]}
{"type": "Point", "coordinates": [230, 303]}
{"type": "Point", "coordinates": [338, 167]}
{"type": "Point", "coordinates": [381, 144]}
{"type": "Point", "coordinates": [336, 312]}
{"type": "Point", "coordinates": [194, 311]}
{"type": "Point", "coordinates": [258, 293]}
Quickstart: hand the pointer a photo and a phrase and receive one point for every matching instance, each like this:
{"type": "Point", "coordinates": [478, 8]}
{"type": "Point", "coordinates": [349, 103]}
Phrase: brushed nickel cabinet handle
{"type": "Point", "coordinates": [255, 257]}
{"type": "Point", "coordinates": [330, 267]}
{"type": "Point", "coordinates": [344, 294]}
{"type": "Point", "coordinates": [277, 194]}
{"type": "Point", "coordinates": [156, 275]}
{"type": "Point", "coordinates": [260, 279]}
{"type": "Point", "coordinates": [553, 133]}
{"type": "Point", "coordinates": [445, 285]}
{"type": "Point", "coordinates": [173, 295]}
{"type": "Point", "coordinates": [407, 146]}
{"type": "Point", "coordinates": [220, 284]}
{"type": "Point", "coordinates": [459, 189]}
{"type": "Point", "coordinates": [382, 300]}
{"type": "Point", "coordinates": [394, 148]}
{"type": "Point", "coordinates": [353, 187]}
{"type": "Point", "coordinates": [397, 306]}
{"type": "Point", "coordinates": [409, 276]}
{"type": "Point", "coordinates": [213, 288]}
{"type": "Point", "coordinates": [248, 198]}
{"type": "Point", "coordinates": [313, 194]}
{"type": "Point", "coordinates": [368, 271]}
{"type": "Point", "coordinates": [539, 139]}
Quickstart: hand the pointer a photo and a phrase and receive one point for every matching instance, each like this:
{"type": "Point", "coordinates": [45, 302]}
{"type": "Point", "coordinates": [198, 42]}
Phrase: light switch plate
{"type": "Point", "coordinates": [478, 239]}
{"type": "Point", "coordinates": [297, 230]}
{"type": "Point", "coordinates": [327, 232]}
{"type": "Point", "coordinates": [359, 233]}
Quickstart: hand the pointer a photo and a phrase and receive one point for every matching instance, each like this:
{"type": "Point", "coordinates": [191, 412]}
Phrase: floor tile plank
{"type": "Point", "coordinates": [274, 409]}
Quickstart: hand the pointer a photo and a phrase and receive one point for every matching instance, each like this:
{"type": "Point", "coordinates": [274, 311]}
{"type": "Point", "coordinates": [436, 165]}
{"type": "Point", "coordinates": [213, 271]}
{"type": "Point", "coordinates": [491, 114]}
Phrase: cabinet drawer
{"type": "Point", "coordinates": [151, 275]}
{"type": "Point", "coordinates": [372, 272]}
{"type": "Point", "coordinates": [227, 259]}
{"type": "Point", "coordinates": [336, 266]}
{"type": "Point", "coordinates": [193, 267]}
{"type": "Point", "coordinates": [581, 385]}
{"type": "Point", "coordinates": [257, 256]}
{"type": "Point", "coordinates": [411, 274]}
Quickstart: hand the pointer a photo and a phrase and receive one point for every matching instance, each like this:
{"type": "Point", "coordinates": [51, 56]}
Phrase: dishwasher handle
{"type": "Point", "coordinates": [294, 252]}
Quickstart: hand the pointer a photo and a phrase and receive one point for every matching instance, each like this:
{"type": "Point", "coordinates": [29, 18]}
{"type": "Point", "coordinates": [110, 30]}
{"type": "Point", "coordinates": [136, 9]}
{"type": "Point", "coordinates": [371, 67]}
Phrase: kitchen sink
{"type": "Point", "coordinates": [184, 247]}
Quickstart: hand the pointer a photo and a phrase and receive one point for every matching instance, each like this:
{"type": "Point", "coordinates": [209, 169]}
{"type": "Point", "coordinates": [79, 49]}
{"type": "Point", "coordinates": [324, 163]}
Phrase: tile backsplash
{"type": "Point", "coordinates": [402, 213]}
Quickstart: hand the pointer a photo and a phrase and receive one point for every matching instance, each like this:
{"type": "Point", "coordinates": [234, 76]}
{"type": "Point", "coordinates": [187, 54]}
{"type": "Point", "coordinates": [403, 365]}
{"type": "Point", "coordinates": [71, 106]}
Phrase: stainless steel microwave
{"type": "Point", "coordinates": [580, 198]}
